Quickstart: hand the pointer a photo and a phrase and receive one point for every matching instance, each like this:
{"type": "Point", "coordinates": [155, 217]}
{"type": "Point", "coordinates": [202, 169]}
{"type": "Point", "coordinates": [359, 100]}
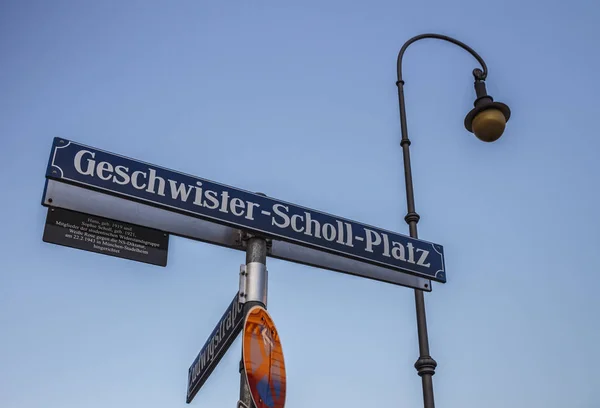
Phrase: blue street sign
{"type": "Point", "coordinates": [99, 170]}
{"type": "Point", "coordinates": [215, 347]}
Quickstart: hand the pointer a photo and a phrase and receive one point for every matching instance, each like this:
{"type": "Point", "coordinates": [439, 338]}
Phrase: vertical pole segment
{"type": "Point", "coordinates": [255, 294]}
{"type": "Point", "coordinates": [425, 365]}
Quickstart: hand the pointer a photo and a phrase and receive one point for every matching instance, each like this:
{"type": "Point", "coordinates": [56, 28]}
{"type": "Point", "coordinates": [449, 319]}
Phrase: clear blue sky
{"type": "Point", "coordinates": [297, 100]}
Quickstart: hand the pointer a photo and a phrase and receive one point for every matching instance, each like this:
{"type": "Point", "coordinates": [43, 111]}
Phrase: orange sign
{"type": "Point", "coordinates": [263, 360]}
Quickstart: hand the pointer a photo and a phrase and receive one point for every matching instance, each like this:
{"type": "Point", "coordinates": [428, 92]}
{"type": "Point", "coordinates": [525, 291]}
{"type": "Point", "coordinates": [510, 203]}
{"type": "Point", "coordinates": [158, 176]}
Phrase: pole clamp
{"type": "Point", "coordinates": [253, 283]}
{"type": "Point", "coordinates": [242, 238]}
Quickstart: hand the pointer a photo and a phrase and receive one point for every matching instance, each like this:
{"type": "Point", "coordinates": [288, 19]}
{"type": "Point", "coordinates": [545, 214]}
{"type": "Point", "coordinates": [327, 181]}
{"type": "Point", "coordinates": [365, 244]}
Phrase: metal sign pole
{"type": "Point", "coordinates": [253, 291]}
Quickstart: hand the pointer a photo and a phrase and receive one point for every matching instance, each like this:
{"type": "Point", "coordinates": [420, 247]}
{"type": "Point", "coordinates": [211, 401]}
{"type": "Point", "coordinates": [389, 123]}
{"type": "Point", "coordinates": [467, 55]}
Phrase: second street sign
{"type": "Point", "coordinates": [96, 169]}
{"type": "Point", "coordinates": [215, 347]}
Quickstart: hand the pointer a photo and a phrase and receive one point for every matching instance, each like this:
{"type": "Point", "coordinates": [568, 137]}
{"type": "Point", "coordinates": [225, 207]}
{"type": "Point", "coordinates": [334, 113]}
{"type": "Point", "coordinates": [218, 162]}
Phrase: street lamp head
{"type": "Point", "coordinates": [488, 123]}
{"type": "Point", "coordinates": [487, 119]}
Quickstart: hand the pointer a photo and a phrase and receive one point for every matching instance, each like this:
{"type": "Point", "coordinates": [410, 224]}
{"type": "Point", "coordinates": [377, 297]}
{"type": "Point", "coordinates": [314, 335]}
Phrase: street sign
{"type": "Point", "coordinates": [263, 360]}
{"type": "Point", "coordinates": [63, 195]}
{"type": "Point", "coordinates": [95, 169]}
{"type": "Point", "coordinates": [215, 347]}
{"type": "Point", "coordinates": [106, 236]}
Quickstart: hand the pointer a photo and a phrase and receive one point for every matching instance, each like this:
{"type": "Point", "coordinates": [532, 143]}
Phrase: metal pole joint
{"type": "Point", "coordinates": [425, 365]}
{"type": "Point", "coordinates": [412, 217]}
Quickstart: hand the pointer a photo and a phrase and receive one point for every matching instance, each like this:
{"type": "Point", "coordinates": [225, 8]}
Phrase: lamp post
{"type": "Point", "coordinates": [487, 121]}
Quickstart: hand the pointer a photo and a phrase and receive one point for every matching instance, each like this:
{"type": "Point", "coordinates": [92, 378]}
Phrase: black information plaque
{"type": "Point", "coordinates": [106, 236]}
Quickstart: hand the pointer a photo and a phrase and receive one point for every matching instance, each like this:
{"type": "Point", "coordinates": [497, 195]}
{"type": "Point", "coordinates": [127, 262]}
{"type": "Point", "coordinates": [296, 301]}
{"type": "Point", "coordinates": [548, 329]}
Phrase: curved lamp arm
{"type": "Point", "coordinates": [480, 75]}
